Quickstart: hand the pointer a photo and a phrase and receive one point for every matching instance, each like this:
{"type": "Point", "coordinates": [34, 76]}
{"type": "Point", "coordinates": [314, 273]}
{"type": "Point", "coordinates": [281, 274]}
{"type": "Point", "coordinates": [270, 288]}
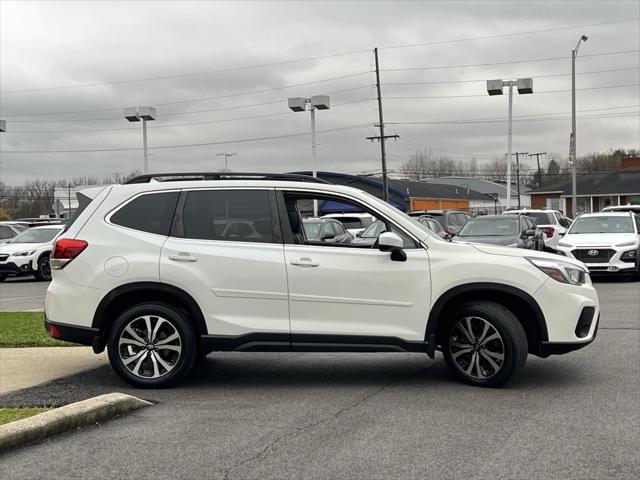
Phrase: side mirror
{"type": "Point", "coordinates": [324, 237]}
{"type": "Point", "coordinates": [391, 242]}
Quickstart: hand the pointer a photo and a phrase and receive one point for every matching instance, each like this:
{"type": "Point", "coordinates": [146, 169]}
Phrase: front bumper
{"type": "Point", "coordinates": [559, 348]}
{"type": "Point", "coordinates": [16, 268]}
{"type": "Point", "coordinates": [612, 265]}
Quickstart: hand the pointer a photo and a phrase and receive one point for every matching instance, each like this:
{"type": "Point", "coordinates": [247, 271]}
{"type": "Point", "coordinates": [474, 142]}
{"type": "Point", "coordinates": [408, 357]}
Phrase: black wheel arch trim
{"type": "Point", "coordinates": [443, 300]}
{"type": "Point", "coordinates": [157, 287]}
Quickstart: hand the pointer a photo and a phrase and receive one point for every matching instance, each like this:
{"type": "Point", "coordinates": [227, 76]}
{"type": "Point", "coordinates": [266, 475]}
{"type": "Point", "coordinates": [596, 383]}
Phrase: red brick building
{"type": "Point", "coordinates": [595, 190]}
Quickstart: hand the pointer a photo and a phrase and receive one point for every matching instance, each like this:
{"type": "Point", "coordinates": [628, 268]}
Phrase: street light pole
{"type": "Point", "coordinates": [135, 114]}
{"type": "Point", "coordinates": [572, 140]}
{"type": "Point", "coordinates": [495, 87]}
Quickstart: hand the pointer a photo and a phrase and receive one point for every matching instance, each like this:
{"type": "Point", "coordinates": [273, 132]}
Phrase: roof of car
{"type": "Point", "coordinates": [606, 214]}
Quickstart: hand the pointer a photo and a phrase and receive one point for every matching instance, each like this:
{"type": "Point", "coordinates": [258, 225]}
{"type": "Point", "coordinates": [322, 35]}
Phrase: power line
{"type": "Point", "coordinates": [321, 57]}
{"type": "Point", "coordinates": [204, 122]}
{"type": "Point", "coordinates": [192, 74]}
{"type": "Point", "coordinates": [537, 92]}
{"type": "Point", "coordinates": [508, 62]}
{"type": "Point", "coordinates": [513, 34]}
{"type": "Point", "coordinates": [636, 68]}
{"type": "Point", "coordinates": [201, 99]}
{"type": "Point", "coordinates": [203, 144]}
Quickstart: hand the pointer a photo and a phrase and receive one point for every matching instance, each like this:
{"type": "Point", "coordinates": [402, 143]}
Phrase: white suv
{"type": "Point", "coordinates": [152, 271]}
{"type": "Point", "coordinates": [607, 242]}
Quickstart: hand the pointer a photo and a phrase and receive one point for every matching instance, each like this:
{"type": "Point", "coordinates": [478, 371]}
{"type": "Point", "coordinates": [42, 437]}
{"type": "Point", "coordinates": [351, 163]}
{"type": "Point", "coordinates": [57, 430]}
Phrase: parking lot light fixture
{"type": "Point", "coordinates": [317, 102]}
{"type": "Point", "coordinates": [495, 87]}
{"type": "Point", "coordinates": [136, 114]}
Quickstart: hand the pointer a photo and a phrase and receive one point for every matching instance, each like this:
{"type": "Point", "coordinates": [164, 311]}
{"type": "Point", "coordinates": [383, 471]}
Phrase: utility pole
{"type": "Point", "coordinates": [226, 158]}
{"type": "Point", "coordinates": [382, 138]}
{"type": "Point", "coordinates": [537, 155]}
{"type": "Point", "coordinates": [517, 154]}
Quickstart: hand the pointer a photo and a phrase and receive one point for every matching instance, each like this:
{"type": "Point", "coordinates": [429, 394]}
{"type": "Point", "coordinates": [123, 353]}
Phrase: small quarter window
{"type": "Point", "coordinates": [152, 213]}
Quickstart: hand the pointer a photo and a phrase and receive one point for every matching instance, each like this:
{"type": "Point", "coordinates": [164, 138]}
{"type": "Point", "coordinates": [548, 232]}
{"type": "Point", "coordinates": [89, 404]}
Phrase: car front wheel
{"type": "Point", "coordinates": [152, 345]}
{"type": "Point", "coordinates": [485, 344]}
{"type": "Point", "coordinates": [43, 273]}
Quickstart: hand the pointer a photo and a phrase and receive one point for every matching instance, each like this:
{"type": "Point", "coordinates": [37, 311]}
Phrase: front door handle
{"type": "Point", "coordinates": [183, 257]}
{"type": "Point", "coordinates": [304, 262]}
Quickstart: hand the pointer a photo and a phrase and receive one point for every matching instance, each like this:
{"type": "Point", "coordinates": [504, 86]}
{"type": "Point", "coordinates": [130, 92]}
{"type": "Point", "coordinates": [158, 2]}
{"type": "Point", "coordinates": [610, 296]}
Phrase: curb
{"type": "Point", "coordinates": [68, 417]}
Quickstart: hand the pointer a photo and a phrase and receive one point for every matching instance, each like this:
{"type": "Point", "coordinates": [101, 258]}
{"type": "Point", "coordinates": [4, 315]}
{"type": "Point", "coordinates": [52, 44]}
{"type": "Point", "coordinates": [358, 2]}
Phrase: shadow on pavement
{"type": "Point", "coordinates": [230, 374]}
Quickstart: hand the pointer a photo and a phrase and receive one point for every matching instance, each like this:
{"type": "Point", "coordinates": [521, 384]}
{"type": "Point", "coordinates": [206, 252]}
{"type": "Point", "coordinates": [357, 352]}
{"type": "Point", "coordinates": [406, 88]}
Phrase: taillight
{"type": "Point", "coordinates": [65, 250]}
{"type": "Point", "coordinates": [548, 231]}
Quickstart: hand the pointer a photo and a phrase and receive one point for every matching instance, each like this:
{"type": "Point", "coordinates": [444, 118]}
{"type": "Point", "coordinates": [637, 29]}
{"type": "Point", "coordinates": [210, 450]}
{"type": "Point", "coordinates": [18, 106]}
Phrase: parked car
{"type": "Point", "coordinates": [607, 242]}
{"type": "Point", "coordinates": [135, 273]}
{"type": "Point", "coordinates": [451, 220]}
{"type": "Point", "coordinates": [552, 223]}
{"type": "Point", "coordinates": [355, 223]}
{"type": "Point", "coordinates": [28, 253]}
{"type": "Point", "coordinates": [8, 230]}
{"type": "Point", "coordinates": [508, 231]}
{"type": "Point", "coordinates": [326, 230]}
{"type": "Point", "coordinates": [433, 225]}
{"type": "Point", "coordinates": [623, 208]}
{"type": "Point", "coordinates": [34, 222]}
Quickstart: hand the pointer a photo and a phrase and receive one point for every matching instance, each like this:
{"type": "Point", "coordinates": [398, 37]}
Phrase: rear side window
{"type": "Point", "coordinates": [6, 232]}
{"type": "Point", "coordinates": [231, 215]}
{"type": "Point", "coordinates": [152, 213]}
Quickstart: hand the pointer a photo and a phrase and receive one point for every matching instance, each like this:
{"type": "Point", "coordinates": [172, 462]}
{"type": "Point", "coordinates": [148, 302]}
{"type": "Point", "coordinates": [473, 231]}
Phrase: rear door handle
{"type": "Point", "coordinates": [183, 257]}
{"type": "Point", "coordinates": [304, 262]}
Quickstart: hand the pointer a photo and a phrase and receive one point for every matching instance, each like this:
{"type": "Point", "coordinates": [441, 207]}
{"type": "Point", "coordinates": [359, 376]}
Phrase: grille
{"type": "Point", "coordinates": [3, 257]}
{"type": "Point", "coordinates": [603, 255]}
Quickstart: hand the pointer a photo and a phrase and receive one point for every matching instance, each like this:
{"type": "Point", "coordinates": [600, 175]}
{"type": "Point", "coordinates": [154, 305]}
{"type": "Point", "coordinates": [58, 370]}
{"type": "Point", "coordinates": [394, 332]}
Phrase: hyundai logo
{"type": "Point", "coordinates": [593, 253]}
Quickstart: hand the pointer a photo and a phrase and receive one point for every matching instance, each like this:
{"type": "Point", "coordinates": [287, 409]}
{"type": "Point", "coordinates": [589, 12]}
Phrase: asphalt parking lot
{"type": "Point", "coordinates": [22, 293]}
{"type": "Point", "coordinates": [363, 416]}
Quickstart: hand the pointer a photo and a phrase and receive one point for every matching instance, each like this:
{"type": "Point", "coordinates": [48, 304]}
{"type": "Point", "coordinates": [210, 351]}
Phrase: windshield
{"type": "Point", "coordinates": [311, 229]}
{"type": "Point", "coordinates": [541, 218]}
{"type": "Point", "coordinates": [601, 224]}
{"type": "Point", "coordinates": [485, 227]}
{"type": "Point", "coordinates": [36, 235]}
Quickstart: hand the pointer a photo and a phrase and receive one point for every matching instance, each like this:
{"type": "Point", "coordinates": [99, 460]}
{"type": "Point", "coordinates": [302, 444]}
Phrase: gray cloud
{"type": "Point", "coordinates": [49, 44]}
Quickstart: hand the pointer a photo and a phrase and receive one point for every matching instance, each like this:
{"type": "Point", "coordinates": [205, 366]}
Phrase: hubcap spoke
{"type": "Point", "coordinates": [164, 364]}
{"type": "Point", "coordinates": [461, 352]}
{"type": "Point", "coordinates": [130, 341]}
{"type": "Point", "coordinates": [136, 369]}
{"type": "Point", "coordinates": [130, 359]}
{"type": "Point", "coordinates": [478, 368]}
{"type": "Point", "coordinates": [170, 338]}
{"type": "Point", "coordinates": [154, 335]}
{"type": "Point", "coordinates": [490, 337]}
{"type": "Point", "coordinates": [147, 322]}
{"type": "Point", "coordinates": [461, 345]}
{"type": "Point", "coordinates": [493, 364]}
{"type": "Point", "coordinates": [132, 332]}
{"type": "Point", "coordinates": [467, 333]}
{"type": "Point", "coordinates": [156, 370]}
{"type": "Point", "coordinates": [174, 348]}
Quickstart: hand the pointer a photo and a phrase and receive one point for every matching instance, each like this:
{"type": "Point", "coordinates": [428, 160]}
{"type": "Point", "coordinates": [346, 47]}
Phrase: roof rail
{"type": "Point", "coordinates": [186, 176]}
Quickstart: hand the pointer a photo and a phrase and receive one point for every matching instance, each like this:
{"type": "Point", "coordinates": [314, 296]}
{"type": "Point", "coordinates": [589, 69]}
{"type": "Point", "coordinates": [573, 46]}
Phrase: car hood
{"type": "Point", "coordinates": [598, 239]}
{"type": "Point", "coordinates": [20, 247]}
{"type": "Point", "coordinates": [489, 239]}
{"type": "Point", "coordinates": [522, 253]}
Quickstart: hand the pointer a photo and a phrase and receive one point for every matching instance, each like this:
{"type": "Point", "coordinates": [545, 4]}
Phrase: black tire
{"type": "Point", "coordinates": [152, 356]}
{"type": "Point", "coordinates": [43, 273]}
{"type": "Point", "coordinates": [475, 363]}
{"type": "Point", "coordinates": [3, 277]}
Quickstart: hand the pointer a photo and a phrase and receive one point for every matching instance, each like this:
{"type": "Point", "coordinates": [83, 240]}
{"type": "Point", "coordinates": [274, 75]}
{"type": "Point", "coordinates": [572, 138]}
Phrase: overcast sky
{"type": "Point", "coordinates": [221, 62]}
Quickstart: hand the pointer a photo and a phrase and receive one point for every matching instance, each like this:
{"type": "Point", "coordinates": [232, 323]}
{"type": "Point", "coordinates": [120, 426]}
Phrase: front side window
{"type": "Point", "coordinates": [6, 232]}
{"type": "Point", "coordinates": [229, 215]}
{"type": "Point", "coordinates": [300, 210]}
{"type": "Point", "coordinates": [152, 213]}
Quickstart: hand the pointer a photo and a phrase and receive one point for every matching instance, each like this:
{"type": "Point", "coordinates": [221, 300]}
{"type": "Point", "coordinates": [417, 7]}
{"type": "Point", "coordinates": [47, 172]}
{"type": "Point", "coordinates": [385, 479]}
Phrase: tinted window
{"type": "Point", "coordinates": [231, 215]}
{"type": "Point", "coordinates": [151, 213]}
{"type": "Point", "coordinates": [6, 232]}
{"type": "Point", "coordinates": [452, 220]}
{"type": "Point", "coordinates": [542, 218]}
{"type": "Point", "coordinates": [492, 226]}
{"type": "Point", "coordinates": [339, 229]}
{"type": "Point", "coordinates": [602, 224]}
{"type": "Point", "coordinates": [327, 231]}
{"type": "Point", "coordinates": [462, 218]}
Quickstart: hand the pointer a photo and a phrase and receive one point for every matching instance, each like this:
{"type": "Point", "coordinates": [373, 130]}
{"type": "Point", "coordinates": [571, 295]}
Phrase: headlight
{"type": "Point", "coordinates": [24, 254]}
{"type": "Point", "coordinates": [560, 271]}
{"type": "Point", "coordinates": [566, 245]}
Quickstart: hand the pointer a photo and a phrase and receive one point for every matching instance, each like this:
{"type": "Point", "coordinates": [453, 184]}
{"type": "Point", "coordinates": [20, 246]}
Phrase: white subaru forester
{"type": "Point", "coordinates": [168, 268]}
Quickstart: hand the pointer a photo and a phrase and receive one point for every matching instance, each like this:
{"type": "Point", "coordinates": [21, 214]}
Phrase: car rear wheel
{"type": "Point", "coordinates": [43, 273]}
{"type": "Point", "coordinates": [485, 344]}
{"type": "Point", "coordinates": [152, 345]}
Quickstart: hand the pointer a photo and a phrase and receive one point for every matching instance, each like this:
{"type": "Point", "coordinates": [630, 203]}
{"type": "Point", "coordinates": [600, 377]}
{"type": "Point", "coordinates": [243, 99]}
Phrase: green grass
{"type": "Point", "coordinates": [12, 414]}
{"type": "Point", "coordinates": [26, 329]}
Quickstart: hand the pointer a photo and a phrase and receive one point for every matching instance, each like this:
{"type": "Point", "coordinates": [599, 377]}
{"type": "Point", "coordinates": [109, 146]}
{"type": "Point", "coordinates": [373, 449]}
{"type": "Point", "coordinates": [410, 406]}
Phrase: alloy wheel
{"type": "Point", "coordinates": [149, 346]}
{"type": "Point", "coordinates": [476, 348]}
